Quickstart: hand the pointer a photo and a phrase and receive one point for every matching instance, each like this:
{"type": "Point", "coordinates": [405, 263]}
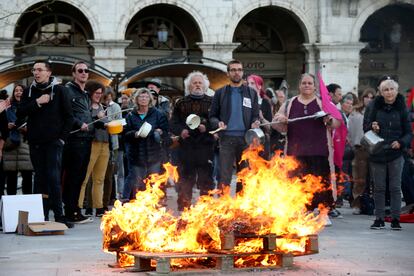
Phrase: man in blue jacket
{"type": "Point", "coordinates": [235, 109]}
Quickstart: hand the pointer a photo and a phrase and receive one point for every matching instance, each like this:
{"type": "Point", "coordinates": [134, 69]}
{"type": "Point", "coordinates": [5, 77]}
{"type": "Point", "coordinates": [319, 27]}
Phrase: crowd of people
{"type": "Point", "coordinates": [56, 137]}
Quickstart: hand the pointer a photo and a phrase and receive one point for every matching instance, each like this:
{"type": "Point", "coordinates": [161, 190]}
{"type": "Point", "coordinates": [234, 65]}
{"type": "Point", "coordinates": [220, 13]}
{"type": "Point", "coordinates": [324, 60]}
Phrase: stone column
{"type": "Point", "coordinates": [110, 54]}
{"type": "Point", "coordinates": [7, 51]}
{"type": "Point", "coordinates": [339, 63]}
{"type": "Point", "coordinates": [310, 58]}
{"type": "Point", "coordinates": [218, 51]}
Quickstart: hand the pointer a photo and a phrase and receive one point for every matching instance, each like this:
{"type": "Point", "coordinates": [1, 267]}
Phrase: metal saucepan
{"type": "Point", "coordinates": [372, 141]}
{"type": "Point", "coordinates": [106, 116]}
{"type": "Point", "coordinates": [254, 136]}
{"type": "Point", "coordinates": [193, 121]}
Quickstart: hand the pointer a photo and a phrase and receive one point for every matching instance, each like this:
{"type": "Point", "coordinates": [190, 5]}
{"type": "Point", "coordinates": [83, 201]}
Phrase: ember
{"type": "Point", "coordinates": [271, 203]}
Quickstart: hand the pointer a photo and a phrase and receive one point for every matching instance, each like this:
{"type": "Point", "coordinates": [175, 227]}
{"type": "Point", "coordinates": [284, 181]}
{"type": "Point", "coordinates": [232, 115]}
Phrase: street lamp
{"type": "Point", "coordinates": [162, 33]}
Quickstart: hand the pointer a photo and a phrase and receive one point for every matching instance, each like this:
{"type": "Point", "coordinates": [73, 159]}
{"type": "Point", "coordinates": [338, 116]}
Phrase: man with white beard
{"type": "Point", "coordinates": [196, 150]}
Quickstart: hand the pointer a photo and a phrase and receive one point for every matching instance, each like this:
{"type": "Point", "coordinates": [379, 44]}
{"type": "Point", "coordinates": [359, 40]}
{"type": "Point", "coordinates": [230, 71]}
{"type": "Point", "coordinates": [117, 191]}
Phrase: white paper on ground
{"type": "Point", "coordinates": [11, 204]}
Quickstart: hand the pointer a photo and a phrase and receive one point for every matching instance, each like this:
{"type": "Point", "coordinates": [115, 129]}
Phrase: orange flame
{"type": "Point", "coordinates": [271, 202]}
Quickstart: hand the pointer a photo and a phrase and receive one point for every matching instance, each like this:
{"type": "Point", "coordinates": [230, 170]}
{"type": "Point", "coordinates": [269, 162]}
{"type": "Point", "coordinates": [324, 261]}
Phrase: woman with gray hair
{"type": "Point", "coordinates": [388, 118]}
{"type": "Point", "coordinates": [143, 149]}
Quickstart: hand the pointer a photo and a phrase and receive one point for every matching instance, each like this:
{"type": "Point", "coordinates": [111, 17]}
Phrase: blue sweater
{"type": "Point", "coordinates": [235, 126]}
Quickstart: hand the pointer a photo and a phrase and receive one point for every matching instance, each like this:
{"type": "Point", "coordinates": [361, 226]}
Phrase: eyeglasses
{"type": "Point", "coordinates": [234, 70]}
{"type": "Point", "coordinates": [81, 71]}
{"type": "Point", "coordinates": [38, 70]}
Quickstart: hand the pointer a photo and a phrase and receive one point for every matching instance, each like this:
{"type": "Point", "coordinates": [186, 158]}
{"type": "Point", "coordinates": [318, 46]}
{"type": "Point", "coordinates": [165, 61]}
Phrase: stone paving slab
{"type": "Point", "coordinates": [348, 247]}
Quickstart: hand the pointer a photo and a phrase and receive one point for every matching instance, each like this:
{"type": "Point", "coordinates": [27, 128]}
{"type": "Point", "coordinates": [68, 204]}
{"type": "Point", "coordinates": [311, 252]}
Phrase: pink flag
{"type": "Point", "coordinates": [327, 105]}
{"type": "Point", "coordinates": [339, 135]}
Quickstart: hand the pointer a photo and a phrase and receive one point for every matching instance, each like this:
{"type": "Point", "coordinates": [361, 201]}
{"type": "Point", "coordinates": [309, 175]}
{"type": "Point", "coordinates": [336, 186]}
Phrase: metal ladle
{"type": "Point", "coordinates": [106, 116]}
{"type": "Point", "coordinates": [317, 115]}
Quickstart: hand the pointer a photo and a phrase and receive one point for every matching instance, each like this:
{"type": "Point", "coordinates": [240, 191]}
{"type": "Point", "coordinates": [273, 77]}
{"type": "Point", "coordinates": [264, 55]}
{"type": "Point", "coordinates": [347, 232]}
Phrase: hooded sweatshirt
{"type": "Point", "coordinates": [50, 121]}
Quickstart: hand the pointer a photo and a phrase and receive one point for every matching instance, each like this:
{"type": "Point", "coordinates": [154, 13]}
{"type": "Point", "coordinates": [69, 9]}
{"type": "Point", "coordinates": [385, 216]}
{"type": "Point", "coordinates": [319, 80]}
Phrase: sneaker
{"type": "Point", "coordinates": [356, 211]}
{"type": "Point", "coordinates": [395, 225]}
{"type": "Point", "coordinates": [88, 212]}
{"type": "Point", "coordinates": [65, 221]}
{"type": "Point", "coordinates": [378, 224]}
{"type": "Point", "coordinates": [335, 214]}
{"type": "Point", "coordinates": [79, 218]}
{"type": "Point", "coordinates": [100, 212]}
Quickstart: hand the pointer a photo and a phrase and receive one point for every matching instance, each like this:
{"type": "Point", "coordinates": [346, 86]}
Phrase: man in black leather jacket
{"type": "Point", "coordinates": [77, 150]}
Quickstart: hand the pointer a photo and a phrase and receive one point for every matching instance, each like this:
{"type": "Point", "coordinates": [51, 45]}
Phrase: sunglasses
{"type": "Point", "coordinates": [80, 71]}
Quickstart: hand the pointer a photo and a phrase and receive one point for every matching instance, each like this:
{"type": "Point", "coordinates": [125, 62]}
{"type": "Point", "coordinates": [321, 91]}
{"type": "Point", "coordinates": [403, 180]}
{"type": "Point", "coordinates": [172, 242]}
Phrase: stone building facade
{"type": "Point", "coordinates": [351, 42]}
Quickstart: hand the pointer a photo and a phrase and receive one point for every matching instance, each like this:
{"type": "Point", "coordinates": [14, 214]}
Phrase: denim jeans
{"type": "Point", "coordinates": [231, 149]}
{"type": "Point", "coordinates": [379, 174]}
{"type": "Point", "coordinates": [47, 164]}
{"type": "Point", "coordinates": [134, 182]}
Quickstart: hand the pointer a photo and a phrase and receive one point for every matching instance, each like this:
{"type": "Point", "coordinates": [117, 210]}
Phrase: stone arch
{"type": "Point", "coordinates": [367, 12]}
{"type": "Point", "coordinates": [308, 29]}
{"type": "Point", "coordinates": [127, 17]}
{"type": "Point", "coordinates": [79, 5]}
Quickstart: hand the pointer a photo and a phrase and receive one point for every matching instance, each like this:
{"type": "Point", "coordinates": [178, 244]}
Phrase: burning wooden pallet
{"type": "Point", "coordinates": [218, 262]}
{"type": "Point", "coordinates": [225, 260]}
{"type": "Point", "coordinates": [228, 242]}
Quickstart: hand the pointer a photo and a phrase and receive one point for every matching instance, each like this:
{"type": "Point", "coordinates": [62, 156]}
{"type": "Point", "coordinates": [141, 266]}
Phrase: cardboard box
{"type": "Point", "coordinates": [11, 205]}
{"type": "Point", "coordinates": [38, 228]}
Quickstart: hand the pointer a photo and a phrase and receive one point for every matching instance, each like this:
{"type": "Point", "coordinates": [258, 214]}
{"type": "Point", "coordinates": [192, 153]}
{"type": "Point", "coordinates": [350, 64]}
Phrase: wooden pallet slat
{"type": "Point", "coordinates": [224, 258]}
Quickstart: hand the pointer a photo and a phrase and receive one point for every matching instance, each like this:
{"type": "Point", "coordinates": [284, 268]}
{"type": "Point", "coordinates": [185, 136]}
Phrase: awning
{"type": "Point", "coordinates": [216, 76]}
{"type": "Point", "coordinates": [61, 66]}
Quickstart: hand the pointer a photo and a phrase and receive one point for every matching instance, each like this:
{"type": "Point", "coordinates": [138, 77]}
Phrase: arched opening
{"type": "Point", "coordinates": [172, 71]}
{"type": "Point", "coordinates": [57, 28]}
{"type": "Point", "coordinates": [270, 45]}
{"type": "Point", "coordinates": [158, 31]}
{"type": "Point", "coordinates": [20, 71]}
{"type": "Point", "coordinates": [389, 50]}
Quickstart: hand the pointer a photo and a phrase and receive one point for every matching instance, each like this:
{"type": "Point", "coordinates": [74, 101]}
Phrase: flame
{"type": "Point", "coordinates": [271, 202]}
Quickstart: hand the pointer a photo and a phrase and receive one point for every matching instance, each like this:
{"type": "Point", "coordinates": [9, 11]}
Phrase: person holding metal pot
{"type": "Point", "coordinates": [266, 110]}
{"type": "Point", "coordinates": [235, 109]}
{"type": "Point", "coordinates": [146, 127]}
{"type": "Point", "coordinates": [196, 145]}
{"type": "Point", "coordinates": [388, 118]}
{"type": "Point", "coordinates": [309, 140]}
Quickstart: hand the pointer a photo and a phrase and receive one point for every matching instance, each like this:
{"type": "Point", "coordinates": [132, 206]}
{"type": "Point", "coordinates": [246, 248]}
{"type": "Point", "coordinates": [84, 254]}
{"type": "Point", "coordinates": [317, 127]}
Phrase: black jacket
{"type": "Point", "coordinates": [82, 113]}
{"type": "Point", "coordinates": [190, 105]}
{"type": "Point", "coordinates": [197, 149]}
{"type": "Point", "coordinates": [143, 151]}
{"type": "Point", "coordinates": [221, 107]}
{"type": "Point", "coordinates": [51, 121]}
{"type": "Point", "coordinates": [394, 125]}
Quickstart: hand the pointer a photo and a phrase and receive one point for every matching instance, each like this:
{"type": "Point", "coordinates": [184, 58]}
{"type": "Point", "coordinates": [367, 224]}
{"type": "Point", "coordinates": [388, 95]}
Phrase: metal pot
{"type": "Point", "coordinates": [372, 141]}
{"type": "Point", "coordinates": [254, 136]}
{"type": "Point", "coordinates": [193, 121]}
{"type": "Point", "coordinates": [144, 130]}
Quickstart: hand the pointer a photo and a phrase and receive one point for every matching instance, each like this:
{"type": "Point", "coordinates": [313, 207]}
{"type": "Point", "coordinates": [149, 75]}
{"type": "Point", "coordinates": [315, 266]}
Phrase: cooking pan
{"type": "Point", "coordinates": [373, 142]}
{"type": "Point", "coordinates": [257, 136]}
{"type": "Point", "coordinates": [254, 136]}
